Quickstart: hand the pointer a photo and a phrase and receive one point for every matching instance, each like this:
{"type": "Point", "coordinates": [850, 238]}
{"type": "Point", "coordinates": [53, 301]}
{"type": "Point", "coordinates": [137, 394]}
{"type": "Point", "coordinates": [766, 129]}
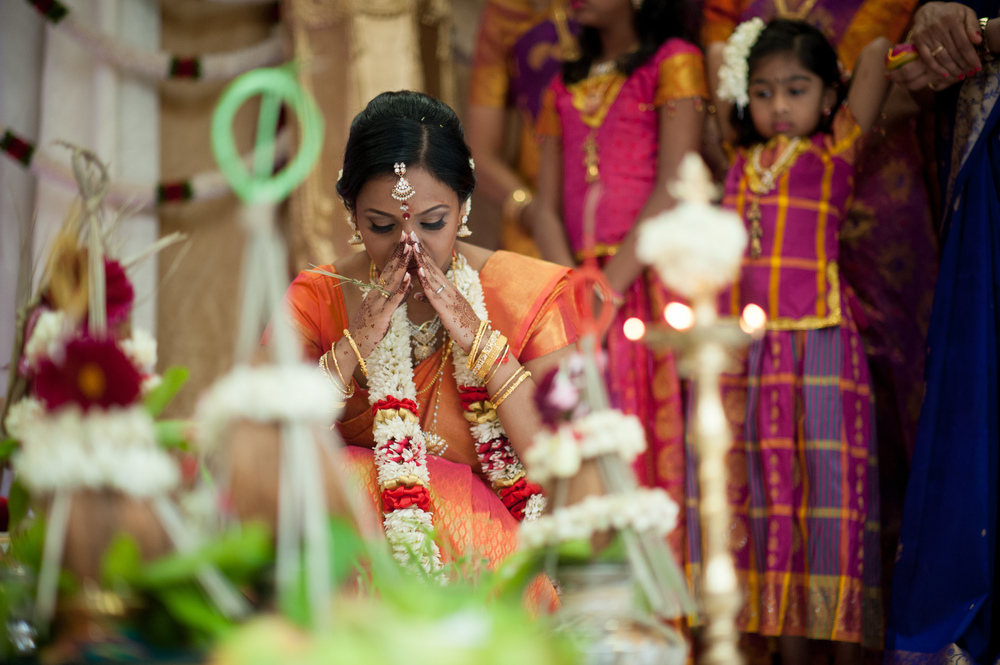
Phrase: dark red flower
{"type": "Point", "coordinates": [471, 394]}
{"type": "Point", "coordinates": [391, 402]}
{"type": "Point", "coordinates": [404, 497]}
{"type": "Point", "coordinates": [516, 497]}
{"type": "Point", "coordinates": [93, 373]}
{"type": "Point", "coordinates": [120, 294]}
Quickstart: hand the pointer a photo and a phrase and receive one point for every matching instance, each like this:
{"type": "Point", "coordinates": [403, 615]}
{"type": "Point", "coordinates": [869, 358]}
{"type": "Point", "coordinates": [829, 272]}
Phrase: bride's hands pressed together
{"type": "Point", "coordinates": [371, 323]}
{"type": "Point", "coordinates": [456, 313]}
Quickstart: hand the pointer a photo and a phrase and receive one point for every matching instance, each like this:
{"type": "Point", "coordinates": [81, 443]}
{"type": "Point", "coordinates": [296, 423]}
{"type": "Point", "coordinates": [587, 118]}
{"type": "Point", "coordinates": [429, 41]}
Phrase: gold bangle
{"type": "Point", "coordinates": [496, 364]}
{"type": "Point", "coordinates": [510, 379]}
{"type": "Point", "coordinates": [488, 347]}
{"type": "Point", "coordinates": [361, 361]}
{"type": "Point", "coordinates": [348, 387]}
{"type": "Point", "coordinates": [985, 43]}
{"type": "Point", "coordinates": [499, 400]}
{"type": "Point", "coordinates": [491, 357]}
{"type": "Point", "coordinates": [483, 325]}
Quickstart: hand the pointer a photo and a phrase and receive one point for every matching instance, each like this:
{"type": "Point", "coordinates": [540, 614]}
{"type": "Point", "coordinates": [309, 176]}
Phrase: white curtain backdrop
{"type": "Point", "coordinates": [115, 114]}
{"type": "Point", "coordinates": [21, 44]}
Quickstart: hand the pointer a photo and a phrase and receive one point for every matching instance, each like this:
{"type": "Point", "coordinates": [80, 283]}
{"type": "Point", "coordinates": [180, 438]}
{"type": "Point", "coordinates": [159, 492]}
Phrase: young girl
{"type": "Point", "coordinates": [622, 116]}
{"type": "Point", "coordinates": [803, 476]}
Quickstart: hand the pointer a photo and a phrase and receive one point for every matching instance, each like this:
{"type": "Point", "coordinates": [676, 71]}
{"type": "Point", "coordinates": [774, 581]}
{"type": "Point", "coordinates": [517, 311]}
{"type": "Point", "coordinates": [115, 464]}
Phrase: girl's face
{"type": "Point", "coordinates": [786, 98]}
{"type": "Point", "coordinates": [599, 13]}
{"type": "Point", "coordinates": [433, 214]}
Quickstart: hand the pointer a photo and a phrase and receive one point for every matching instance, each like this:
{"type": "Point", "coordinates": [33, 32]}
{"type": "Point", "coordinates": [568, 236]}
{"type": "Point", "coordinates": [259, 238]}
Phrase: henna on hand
{"type": "Point", "coordinates": [457, 315]}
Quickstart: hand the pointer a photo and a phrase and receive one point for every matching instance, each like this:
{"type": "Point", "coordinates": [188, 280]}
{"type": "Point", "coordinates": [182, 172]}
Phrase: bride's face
{"type": "Point", "coordinates": [433, 214]}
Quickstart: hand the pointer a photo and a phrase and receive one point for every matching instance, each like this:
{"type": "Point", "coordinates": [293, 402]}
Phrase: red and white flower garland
{"type": "Point", "coordinates": [400, 447]}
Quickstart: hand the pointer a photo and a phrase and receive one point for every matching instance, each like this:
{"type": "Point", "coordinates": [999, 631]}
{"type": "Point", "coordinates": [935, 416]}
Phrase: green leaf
{"type": "Point", "coordinates": [172, 434]}
{"type": "Point", "coordinates": [238, 553]}
{"type": "Point", "coordinates": [121, 562]}
{"type": "Point", "coordinates": [26, 545]}
{"type": "Point", "coordinates": [17, 504]}
{"type": "Point", "coordinates": [347, 547]}
{"type": "Point", "coordinates": [190, 607]}
{"type": "Point", "coordinates": [7, 448]}
{"type": "Point", "coordinates": [170, 385]}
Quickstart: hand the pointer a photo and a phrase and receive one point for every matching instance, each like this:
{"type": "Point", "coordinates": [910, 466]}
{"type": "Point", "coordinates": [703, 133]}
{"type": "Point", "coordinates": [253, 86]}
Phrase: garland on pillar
{"type": "Point", "coordinates": [161, 65]}
{"type": "Point", "coordinates": [203, 186]}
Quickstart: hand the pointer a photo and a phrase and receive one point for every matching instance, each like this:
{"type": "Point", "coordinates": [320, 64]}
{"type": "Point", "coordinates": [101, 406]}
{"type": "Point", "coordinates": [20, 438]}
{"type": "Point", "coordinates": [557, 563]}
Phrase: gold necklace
{"type": "Point", "coordinates": [767, 178]}
{"type": "Point", "coordinates": [439, 372]}
{"type": "Point", "coordinates": [761, 181]}
{"type": "Point", "coordinates": [800, 13]}
{"type": "Point", "coordinates": [435, 444]}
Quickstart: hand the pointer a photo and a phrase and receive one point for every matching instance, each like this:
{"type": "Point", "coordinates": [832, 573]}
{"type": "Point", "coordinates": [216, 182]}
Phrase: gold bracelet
{"type": "Point", "coordinates": [490, 346]}
{"type": "Point", "coordinates": [361, 361]}
{"type": "Point", "coordinates": [985, 44]}
{"type": "Point", "coordinates": [510, 379]}
{"type": "Point", "coordinates": [483, 325]}
{"type": "Point", "coordinates": [499, 400]}
{"type": "Point", "coordinates": [497, 364]}
{"type": "Point", "coordinates": [489, 359]}
{"type": "Point", "coordinates": [488, 354]}
{"type": "Point", "coordinates": [348, 387]}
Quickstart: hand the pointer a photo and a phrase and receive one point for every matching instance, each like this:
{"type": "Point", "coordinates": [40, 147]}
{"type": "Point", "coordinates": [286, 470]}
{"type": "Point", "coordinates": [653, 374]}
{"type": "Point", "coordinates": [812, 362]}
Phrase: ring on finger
{"type": "Point", "coordinates": [385, 294]}
{"type": "Point", "coordinates": [932, 86]}
{"type": "Point", "coordinates": [937, 50]}
{"type": "Point", "coordinates": [439, 289]}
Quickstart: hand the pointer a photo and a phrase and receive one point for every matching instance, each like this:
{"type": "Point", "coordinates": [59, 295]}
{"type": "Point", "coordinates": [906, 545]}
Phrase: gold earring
{"type": "Point", "coordinates": [356, 238]}
{"type": "Point", "coordinates": [463, 228]}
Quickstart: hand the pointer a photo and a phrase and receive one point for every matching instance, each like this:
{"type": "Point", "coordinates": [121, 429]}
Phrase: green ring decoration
{"type": "Point", "coordinates": [276, 85]}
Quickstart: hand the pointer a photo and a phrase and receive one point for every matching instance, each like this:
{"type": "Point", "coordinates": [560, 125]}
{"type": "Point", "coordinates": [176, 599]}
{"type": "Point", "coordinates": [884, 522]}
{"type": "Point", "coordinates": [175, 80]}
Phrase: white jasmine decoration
{"type": "Point", "coordinates": [52, 331]}
{"type": "Point", "coordinates": [141, 350]}
{"type": "Point", "coordinates": [697, 248]}
{"type": "Point", "coordinates": [735, 70]}
{"type": "Point", "coordinates": [265, 394]}
{"type": "Point", "coordinates": [400, 447]}
{"type": "Point", "coordinates": [602, 432]}
{"type": "Point", "coordinates": [645, 510]}
{"type": "Point", "coordinates": [21, 415]}
{"type": "Point", "coordinates": [113, 449]}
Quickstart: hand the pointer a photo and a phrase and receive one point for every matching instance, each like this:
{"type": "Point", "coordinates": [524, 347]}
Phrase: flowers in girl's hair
{"type": "Point", "coordinates": [92, 373]}
{"type": "Point", "coordinates": [735, 70]}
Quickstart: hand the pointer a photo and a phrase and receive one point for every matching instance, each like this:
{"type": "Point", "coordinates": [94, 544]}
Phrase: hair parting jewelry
{"type": "Point", "coordinates": [522, 375]}
{"type": "Point", "coordinates": [403, 190]}
{"type": "Point", "coordinates": [361, 361]}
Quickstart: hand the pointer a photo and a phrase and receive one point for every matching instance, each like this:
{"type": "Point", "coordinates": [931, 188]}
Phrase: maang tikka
{"type": "Point", "coordinates": [403, 190]}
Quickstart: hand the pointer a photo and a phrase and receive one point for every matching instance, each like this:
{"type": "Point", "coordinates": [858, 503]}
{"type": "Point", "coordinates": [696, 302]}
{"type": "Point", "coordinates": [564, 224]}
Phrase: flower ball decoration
{"type": "Point", "coordinates": [696, 247]}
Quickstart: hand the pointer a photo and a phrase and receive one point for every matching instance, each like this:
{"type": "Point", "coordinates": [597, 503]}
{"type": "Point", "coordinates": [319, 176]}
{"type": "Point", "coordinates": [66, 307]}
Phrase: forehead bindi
{"type": "Point", "coordinates": [781, 69]}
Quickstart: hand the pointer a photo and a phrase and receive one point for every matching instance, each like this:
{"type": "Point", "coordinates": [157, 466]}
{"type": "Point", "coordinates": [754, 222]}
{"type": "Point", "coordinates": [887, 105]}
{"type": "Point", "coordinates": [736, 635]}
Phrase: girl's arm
{"type": "Point", "coordinates": [869, 83]}
{"type": "Point", "coordinates": [680, 133]}
{"type": "Point", "coordinates": [550, 235]}
{"type": "Point", "coordinates": [494, 177]}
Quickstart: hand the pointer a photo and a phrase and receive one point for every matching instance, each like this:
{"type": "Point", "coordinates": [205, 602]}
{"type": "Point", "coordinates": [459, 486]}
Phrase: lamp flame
{"type": "Point", "coordinates": [634, 329]}
{"type": "Point", "coordinates": [753, 319]}
{"type": "Point", "coordinates": [678, 315]}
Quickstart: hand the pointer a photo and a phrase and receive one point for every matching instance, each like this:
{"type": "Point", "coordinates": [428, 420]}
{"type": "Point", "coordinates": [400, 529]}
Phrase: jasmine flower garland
{"type": "Point", "coordinates": [735, 69]}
